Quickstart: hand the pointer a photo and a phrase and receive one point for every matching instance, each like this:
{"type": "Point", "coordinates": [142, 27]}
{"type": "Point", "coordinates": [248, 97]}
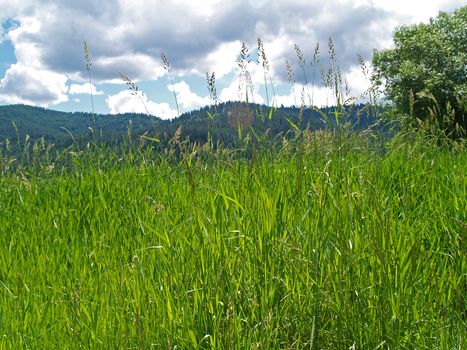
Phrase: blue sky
{"type": "Point", "coordinates": [42, 57]}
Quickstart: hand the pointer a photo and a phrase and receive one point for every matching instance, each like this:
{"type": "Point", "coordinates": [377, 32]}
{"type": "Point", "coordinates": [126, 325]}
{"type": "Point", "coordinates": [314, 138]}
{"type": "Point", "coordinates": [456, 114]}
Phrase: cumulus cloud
{"type": "Point", "coordinates": [124, 35]}
{"type": "Point", "coordinates": [188, 99]}
{"type": "Point", "coordinates": [235, 91]}
{"type": "Point", "coordinates": [30, 85]}
{"type": "Point", "coordinates": [358, 81]}
{"type": "Point", "coordinates": [139, 66]}
{"type": "Point", "coordinates": [222, 60]}
{"type": "Point", "coordinates": [416, 10]}
{"type": "Point", "coordinates": [316, 95]}
{"type": "Point", "coordinates": [28, 80]}
{"type": "Point", "coordinates": [86, 89]}
{"type": "Point", "coordinates": [128, 36]}
{"type": "Point", "coordinates": [127, 102]}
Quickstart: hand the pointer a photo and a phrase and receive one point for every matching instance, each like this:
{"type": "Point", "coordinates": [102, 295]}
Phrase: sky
{"type": "Point", "coordinates": [42, 56]}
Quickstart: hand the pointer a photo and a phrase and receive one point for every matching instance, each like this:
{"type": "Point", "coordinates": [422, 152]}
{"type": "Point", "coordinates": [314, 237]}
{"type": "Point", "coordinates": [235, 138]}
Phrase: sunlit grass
{"type": "Point", "coordinates": [104, 249]}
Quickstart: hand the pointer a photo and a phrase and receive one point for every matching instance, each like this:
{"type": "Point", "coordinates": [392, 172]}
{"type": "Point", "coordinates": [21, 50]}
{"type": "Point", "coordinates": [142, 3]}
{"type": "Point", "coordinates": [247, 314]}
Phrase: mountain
{"type": "Point", "coordinates": [57, 126]}
{"type": "Point", "coordinates": [221, 122]}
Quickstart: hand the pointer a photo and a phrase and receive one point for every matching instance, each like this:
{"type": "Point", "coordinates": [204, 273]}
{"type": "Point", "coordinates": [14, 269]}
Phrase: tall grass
{"type": "Point", "coordinates": [108, 250]}
{"type": "Point", "coordinates": [323, 242]}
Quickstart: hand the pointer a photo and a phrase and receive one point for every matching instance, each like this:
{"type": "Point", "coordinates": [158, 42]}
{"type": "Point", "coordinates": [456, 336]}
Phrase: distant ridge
{"type": "Point", "coordinates": [56, 126]}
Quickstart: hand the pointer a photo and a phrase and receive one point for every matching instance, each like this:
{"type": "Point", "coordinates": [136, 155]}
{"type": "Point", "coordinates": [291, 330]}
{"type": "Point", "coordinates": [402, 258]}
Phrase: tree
{"type": "Point", "coordinates": [425, 74]}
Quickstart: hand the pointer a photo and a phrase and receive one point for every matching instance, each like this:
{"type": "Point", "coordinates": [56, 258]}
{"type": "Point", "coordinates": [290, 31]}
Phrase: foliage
{"type": "Point", "coordinates": [425, 74]}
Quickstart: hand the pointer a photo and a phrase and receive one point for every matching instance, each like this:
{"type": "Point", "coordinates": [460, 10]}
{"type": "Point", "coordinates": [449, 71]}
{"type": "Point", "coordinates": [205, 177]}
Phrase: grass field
{"type": "Point", "coordinates": [339, 245]}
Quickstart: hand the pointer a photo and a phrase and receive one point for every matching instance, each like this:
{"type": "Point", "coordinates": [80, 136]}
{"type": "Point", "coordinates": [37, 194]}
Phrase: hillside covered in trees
{"type": "Point", "coordinates": [225, 123]}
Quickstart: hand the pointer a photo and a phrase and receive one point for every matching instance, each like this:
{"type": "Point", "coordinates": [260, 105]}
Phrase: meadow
{"type": "Point", "coordinates": [324, 241]}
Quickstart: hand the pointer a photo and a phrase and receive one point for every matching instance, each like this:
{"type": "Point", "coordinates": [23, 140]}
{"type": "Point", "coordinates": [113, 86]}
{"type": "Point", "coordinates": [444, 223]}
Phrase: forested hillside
{"type": "Point", "coordinates": [226, 122]}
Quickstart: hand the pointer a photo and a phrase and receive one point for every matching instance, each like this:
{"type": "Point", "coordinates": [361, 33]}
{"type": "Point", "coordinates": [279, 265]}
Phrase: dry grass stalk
{"type": "Point", "coordinates": [87, 57]}
{"type": "Point", "coordinates": [291, 78]}
{"type": "Point", "coordinates": [245, 78]}
{"type": "Point", "coordinates": [134, 89]}
{"type": "Point", "coordinates": [166, 65]}
{"type": "Point", "coordinates": [262, 59]}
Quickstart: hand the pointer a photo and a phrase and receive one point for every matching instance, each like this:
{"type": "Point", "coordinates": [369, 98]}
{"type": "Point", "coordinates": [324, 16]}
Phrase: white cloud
{"type": "Point", "coordinates": [126, 102]}
{"type": "Point", "coordinates": [316, 95]}
{"type": "Point", "coordinates": [186, 98]}
{"type": "Point", "coordinates": [29, 81]}
{"type": "Point", "coordinates": [231, 92]}
{"type": "Point", "coordinates": [77, 89]}
{"type": "Point", "coordinates": [222, 60]}
{"type": "Point", "coordinates": [198, 36]}
{"type": "Point", "coordinates": [313, 94]}
{"type": "Point", "coordinates": [13, 8]}
{"type": "Point", "coordinates": [415, 10]}
{"type": "Point", "coordinates": [236, 92]}
{"type": "Point", "coordinates": [258, 4]}
{"type": "Point", "coordinates": [31, 85]}
{"type": "Point", "coordinates": [358, 83]}
{"type": "Point", "coordinates": [22, 37]}
{"type": "Point", "coordinates": [205, 8]}
{"type": "Point", "coordinates": [135, 66]}
{"type": "Point", "coordinates": [127, 35]}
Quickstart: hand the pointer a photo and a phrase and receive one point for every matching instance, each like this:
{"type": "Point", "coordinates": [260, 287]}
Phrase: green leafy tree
{"type": "Point", "coordinates": [425, 74]}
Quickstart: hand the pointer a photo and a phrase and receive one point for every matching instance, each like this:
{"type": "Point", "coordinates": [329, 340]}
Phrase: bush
{"type": "Point", "coordinates": [425, 73]}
